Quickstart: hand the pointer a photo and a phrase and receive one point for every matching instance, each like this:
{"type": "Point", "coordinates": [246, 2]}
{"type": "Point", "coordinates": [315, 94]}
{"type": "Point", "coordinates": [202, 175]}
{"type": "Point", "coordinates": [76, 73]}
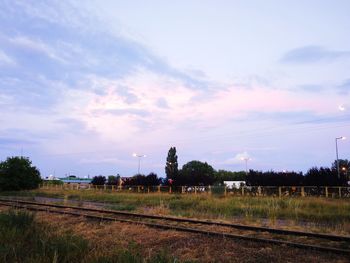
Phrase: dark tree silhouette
{"type": "Point", "coordinates": [271, 178]}
{"type": "Point", "coordinates": [98, 180]}
{"type": "Point", "coordinates": [17, 173]}
{"type": "Point", "coordinates": [171, 167]}
{"type": "Point", "coordinates": [323, 176]}
{"type": "Point", "coordinates": [195, 173]}
{"type": "Point", "coordinates": [223, 175]}
{"type": "Point", "coordinates": [140, 179]}
{"type": "Point", "coordinates": [113, 180]}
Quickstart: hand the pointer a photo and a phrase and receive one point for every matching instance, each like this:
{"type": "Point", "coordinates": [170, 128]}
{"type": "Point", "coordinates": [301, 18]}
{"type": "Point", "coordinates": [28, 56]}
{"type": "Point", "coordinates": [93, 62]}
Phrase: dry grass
{"type": "Point", "coordinates": [309, 214]}
{"type": "Point", "coordinates": [107, 237]}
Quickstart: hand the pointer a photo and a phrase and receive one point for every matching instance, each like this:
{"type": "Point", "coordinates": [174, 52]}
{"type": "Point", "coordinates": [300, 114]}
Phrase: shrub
{"type": "Point", "coordinates": [17, 173]}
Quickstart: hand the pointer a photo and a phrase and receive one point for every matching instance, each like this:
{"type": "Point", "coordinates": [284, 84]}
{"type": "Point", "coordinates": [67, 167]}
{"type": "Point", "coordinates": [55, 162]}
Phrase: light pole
{"type": "Point", "coordinates": [246, 159]}
{"type": "Point", "coordinates": [336, 151]}
{"type": "Point", "coordinates": [139, 156]}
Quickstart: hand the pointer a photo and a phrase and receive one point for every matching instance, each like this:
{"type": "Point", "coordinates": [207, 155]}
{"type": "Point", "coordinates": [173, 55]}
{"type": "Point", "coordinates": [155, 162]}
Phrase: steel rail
{"type": "Point", "coordinates": [195, 221]}
{"type": "Point", "coordinates": [189, 230]}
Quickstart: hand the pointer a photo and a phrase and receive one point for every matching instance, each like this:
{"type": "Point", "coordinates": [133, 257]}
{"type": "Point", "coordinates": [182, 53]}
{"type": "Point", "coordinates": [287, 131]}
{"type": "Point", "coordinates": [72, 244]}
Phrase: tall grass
{"type": "Point", "coordinates": [23, 239]}
{"type": "Point", "coordinates": [311, 209]}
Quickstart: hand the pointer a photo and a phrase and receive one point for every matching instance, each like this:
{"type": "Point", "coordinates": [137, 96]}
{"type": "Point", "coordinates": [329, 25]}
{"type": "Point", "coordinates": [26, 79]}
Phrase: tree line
{"type": "Point", "coordinates": [138, 179]}
{"type": "Point", "coordinates": [197, 173]}
{"type": "Point", "coordinates": [18, 173]}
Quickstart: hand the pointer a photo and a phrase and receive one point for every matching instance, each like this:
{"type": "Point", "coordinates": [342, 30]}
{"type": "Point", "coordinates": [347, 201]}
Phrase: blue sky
{"type": "Point", "coordinates": [84, 84]}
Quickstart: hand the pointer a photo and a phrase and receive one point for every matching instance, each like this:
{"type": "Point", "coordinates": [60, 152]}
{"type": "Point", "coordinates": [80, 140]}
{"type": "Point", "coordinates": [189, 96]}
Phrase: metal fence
{"type": "Point", "coordinates": [278, 191]}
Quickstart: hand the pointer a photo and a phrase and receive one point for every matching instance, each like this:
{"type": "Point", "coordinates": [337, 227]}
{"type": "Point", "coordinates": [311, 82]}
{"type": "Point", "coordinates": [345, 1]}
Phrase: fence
{"type": "Point", "coordinates": [280, 191]}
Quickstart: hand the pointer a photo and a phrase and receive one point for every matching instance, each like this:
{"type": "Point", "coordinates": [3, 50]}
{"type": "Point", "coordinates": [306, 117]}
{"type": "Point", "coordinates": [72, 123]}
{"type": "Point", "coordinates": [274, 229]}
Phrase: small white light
{"type": "Point", "coordinates": [341, 108]}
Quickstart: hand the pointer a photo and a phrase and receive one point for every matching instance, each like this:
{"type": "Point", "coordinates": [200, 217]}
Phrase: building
{"type": "Point", "coordinates": [234, 184]}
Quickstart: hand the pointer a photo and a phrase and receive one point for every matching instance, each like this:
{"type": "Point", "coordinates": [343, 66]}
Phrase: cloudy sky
{"type": "Point", "coordinates": [84, 84]}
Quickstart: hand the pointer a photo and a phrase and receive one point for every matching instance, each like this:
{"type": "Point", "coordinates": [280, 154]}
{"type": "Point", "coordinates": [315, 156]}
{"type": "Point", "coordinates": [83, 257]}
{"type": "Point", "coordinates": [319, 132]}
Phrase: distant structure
{"type": "Point", "coordinates": [51, 178]}
{"type": "Point", "coordinates": [234, 184]}
{"type": "Point", "coordinates": [72, 179]}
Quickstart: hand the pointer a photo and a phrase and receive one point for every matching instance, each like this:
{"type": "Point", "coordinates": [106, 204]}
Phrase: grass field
{"type": "Point", "coordinates": [48, 237]}
{"type": "Point", "coordinates": [25, 239]}
{"type": "Point", "coordinates": [326, 214]}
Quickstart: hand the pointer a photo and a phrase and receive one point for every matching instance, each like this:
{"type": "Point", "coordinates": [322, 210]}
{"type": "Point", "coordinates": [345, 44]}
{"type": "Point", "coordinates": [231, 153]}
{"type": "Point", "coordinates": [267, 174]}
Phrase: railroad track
{"type": "Point", "coordinates": [297, 239]}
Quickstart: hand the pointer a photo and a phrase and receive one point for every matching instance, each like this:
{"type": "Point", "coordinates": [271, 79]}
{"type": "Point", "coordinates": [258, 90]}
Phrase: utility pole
{"type": "Point", "coordinates": [336, 151]}
{"type": "Point", "coordinates": [139, 156]}
{"type": "Point", "coordinates": [246, 159]}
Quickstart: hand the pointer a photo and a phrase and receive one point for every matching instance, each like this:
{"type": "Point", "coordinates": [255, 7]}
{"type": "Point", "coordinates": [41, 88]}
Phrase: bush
{"type": "Point", "coordinates": [25, 240]}
{"type": "Point", "coordinates": [98, 180]}
{"type": "Point", "coordinates": [17, 173]}
{"type": "Point", "coordinates": [140, 179]}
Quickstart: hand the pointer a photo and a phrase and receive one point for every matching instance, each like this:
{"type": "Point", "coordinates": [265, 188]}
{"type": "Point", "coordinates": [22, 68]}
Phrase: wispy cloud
{"type": "Point", "coordinates": [8, 141]}
{"type": "Point", "coordinates": [344, 88]}
{"type": "Point", "coordinates": [36, 45]}
{"type": "Point", "coordinates": [129, 111]}
{"type": "Point", "coordinates": [237, 159]}
{"type": "Point", "coordinates": [162, 103]}
{"type": "Point", "coordinates": [100, 160]}
{"type": "Point", "coordinates": [6, 60]}
{"type": "Point", "coordinates": [311, 88]}
{"type": "Point", "coordinates": [313, 54]}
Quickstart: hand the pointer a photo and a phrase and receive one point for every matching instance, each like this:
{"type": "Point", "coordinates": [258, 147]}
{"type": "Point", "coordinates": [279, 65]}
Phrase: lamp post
{"type": "Point", "coordinates": [336, 150]}
{"type": "Point", "coordinates": [246, 159]}
{"type": "Point", "coordinates": [139, 156]}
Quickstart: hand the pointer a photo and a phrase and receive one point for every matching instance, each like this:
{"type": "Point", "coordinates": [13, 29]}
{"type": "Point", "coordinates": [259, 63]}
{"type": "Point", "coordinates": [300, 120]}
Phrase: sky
{"type": "Point", "coordinates": [85, 84]}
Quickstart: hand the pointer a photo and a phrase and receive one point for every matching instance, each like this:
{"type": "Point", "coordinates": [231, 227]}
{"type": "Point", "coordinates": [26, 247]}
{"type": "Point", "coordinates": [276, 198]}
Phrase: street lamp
{"type": "Point", "coordinates": [139, 156]}
{"type": "Point", "coordinates": [336, 150]}
{"type": "Point", "coordinates": [341, 108]}
{"type": "Point", "coordinates": [246, 159]}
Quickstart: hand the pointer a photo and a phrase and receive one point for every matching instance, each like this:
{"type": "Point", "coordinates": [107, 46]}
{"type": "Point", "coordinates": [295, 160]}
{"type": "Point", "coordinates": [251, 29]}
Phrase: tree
{"type": "Point", "coordinates": [98, 180]}
{"type": "Point", "coordinates": [271, 178]}
{"type": "Point", "coordinates": [17, 173]}
{"type": "Point", "coordinates": [113, 180]}
{"type": "Point", "coordinates": [195, 173]}
{"type": "Point", "coordinates": [344, 166]}
{"type": "Point", "coordinates": [171, 167]}
{"type": "Point", "coordinates": [152, 179]}
{"type": "Point", "coordinates": [223, 175]}
{"type": "Point", "coordinates": [140, 179]}
{"type": "Point", "coordinates": [323, 176]}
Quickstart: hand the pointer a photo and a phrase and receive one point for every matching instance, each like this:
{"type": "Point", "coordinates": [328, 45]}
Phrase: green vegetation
{"type": "Point", "coordinates": [332, 212]}
{"type": "Point", "coordinates": [195, 173]}
{"type": "Point", "coordinates": [223, 175]}
{"type": "Point", "coordinates": [98, 180]}
{"type": "Point", "coordinates": [113, 180]}
{"type": "Point", "coordinates": [140, 179]}
{"type": "Point", "coordinates": [24, 239]}
{"type": "Point", "coordinates": [53, 182]}
{"type": "Point", "coordinates": [17, 173]}
{"type": "Point", "coordinates": [171, 166]}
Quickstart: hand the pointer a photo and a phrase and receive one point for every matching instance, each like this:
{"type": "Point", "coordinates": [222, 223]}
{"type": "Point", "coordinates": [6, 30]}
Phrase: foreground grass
{"type": "Point", "coordinates": [315, 210]}
{"type": "Point", "coordinates": [24, 239]}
